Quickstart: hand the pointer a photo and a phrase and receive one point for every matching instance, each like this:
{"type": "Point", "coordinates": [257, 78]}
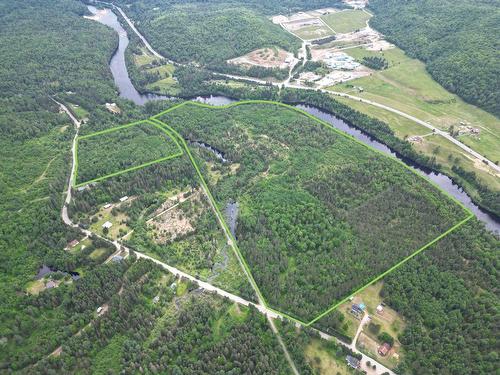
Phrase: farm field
{"type": "Point", "coordinates": [407, 86]}
{"type": "Point", "coordinates": [346, 21]}
{"type": "Point", "coordinates": [446, 153]}
{"type": "Point", "coordinates": [139, 144]}
{"type": "Point", "coordinates": [307, 244]}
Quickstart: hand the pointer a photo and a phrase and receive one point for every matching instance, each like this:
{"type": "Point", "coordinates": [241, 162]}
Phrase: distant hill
{"type": "Point", "coordinates": [457, 39]}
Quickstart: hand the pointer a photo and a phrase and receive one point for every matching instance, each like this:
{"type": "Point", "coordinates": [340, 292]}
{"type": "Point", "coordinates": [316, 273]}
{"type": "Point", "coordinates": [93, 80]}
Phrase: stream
{"type": "Point", "coordinates": [128, 91]}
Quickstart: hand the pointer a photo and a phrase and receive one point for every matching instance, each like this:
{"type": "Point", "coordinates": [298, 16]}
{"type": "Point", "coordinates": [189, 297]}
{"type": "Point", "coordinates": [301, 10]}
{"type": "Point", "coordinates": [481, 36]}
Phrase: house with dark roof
{"type": "Point", "coordinates": [352, 362]}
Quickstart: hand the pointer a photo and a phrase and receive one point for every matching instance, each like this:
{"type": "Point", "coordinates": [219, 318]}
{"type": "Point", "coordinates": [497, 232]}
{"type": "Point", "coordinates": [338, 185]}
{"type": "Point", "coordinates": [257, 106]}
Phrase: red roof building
{"type": "Point", "coordinates": [384, 349]}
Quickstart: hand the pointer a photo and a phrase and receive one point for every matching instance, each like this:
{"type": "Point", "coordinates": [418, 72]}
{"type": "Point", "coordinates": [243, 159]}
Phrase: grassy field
{"type": "Point", "coordinates": [79, 112]}
{"type": "Point", "coordinates": [407, 86]}
{"type": "Point", "coordinates": [145, 58]}
{"type": "Point", "coordinates": [346, 21]}
{"type": "Point", "coordinates": [323, 362]}
{"type": "Point", "coordinates": [313, 32]}
{"type": "Point", "coordinates": [117, 230]}
{"type": "Point", "coordinates": [167, 85]}
{"type": "Point", "coordinates": [447, 154]}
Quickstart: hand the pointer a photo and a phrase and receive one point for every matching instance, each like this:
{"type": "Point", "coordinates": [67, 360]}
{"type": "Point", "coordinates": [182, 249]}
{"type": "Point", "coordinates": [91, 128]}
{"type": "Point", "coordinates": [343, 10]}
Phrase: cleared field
{"type": "Point", "coordinates": [307, 242]}
{"type": "Point", "coordinates": [114, 151]}
{"type": "Point", "coordinates": [166, 83]}
{"type": "Point", "coordinates": [407, 86]}
{"type": "Point", "coordinates": [313, 32]}
{"type": "Point", "coordinates": [265, 57]}
{"type": "Point", "coordinates": [346, 21]}
{"type": "Point", "coordinates": [447, 154]}
{"type": "Point", "coordinates": [322, 361]}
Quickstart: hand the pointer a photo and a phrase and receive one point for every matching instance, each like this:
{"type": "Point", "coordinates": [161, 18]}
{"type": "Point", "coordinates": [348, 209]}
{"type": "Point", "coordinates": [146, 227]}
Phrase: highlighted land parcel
{"type": "Point", "coordinates": [122, 149]}
{"type": "Point", "coordinates": [387, 215]}
{"type": "Point", "coordinates": [456, 216]}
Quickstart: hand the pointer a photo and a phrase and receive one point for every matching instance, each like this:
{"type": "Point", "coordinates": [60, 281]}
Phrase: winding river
{"type": "Point", "coordinates": [128, 91]}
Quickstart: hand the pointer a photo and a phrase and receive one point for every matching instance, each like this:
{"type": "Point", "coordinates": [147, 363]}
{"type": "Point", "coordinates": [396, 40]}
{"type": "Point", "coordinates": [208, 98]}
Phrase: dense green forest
{"type": "Point", "coordinates": [211, 34]}
{"type": "Point", "coordinates": [449, 295]}
{"type": "Point", "coordinates": [106, 153]}
{"type": "Point", "coordinates": [208, 35]}
{"type": "Point", "coordinates": [47, 49]}
{"type": "Point", "coordinates": [155, 313]}
{"type": "Point", "coordinates": [455, 38]}
{"type": "Point", "coordinates": [307, 242]}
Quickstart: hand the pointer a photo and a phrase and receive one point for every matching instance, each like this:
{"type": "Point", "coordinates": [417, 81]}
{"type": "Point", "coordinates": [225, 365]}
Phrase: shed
{"type": "Point", "coordinates": [107, 205]}
{"type": "Point", "coordinates": [380, 309]}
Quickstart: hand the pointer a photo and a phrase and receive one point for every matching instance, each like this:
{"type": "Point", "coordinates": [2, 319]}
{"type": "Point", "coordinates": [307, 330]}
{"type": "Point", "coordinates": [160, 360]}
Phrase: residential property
{"type": "Point", "coordinates": [352, 362]}
{"type": "Point", "coordinates": [123, 199]}
{"type": "Point", "coordinates": [358, 309]}
{"type": "Point", "coordinates": [117, 258]}
{"type": "Point", "coordinates": [380, 309]}
{"type": "Point", "coordinates": [107, 225]}
{"type": "Point", "coordinates": [384, 349]}
{"type": "Point", "coordinates": [106, 206]}
{"type": "Point", "coordinates": [51, 284]}
{"type": "Point", "coordinates": [113, 108]}
{"type": "Point", "coordinates": [99, 309]}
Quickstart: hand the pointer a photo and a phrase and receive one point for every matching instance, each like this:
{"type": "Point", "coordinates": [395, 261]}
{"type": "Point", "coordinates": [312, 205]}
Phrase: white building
{"type": "Point", "coordinates": [107, 225]}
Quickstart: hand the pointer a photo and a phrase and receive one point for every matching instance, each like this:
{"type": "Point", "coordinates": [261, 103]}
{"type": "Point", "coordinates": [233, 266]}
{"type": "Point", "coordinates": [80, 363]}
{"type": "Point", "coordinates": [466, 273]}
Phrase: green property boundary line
{"type": "Point", "coordinates": [324, 123]}
{"type": "Point", "coordinates": [118, 128]}
{"type": "Point", "coordinates": [329, 126]}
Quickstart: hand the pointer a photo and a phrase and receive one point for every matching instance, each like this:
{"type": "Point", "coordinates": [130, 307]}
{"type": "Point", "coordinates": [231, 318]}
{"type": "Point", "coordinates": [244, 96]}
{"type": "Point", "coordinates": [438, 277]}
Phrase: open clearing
{"type": "Point", "coordinates": [265, 57]}
{"type": "Point", "coordinates": [407, 86]}
{"type": "Point", "coordinates": [346, 21]}
{"type": "Point", "coordinates": [307, 244]}
{"type": "Point", "coordinates": [118, 150]}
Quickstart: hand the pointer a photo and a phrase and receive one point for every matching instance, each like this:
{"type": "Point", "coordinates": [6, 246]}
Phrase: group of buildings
{"type": "Point", "coordinates": [340, 61]}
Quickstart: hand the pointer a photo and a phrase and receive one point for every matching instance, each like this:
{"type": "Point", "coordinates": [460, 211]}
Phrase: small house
{"type": "Point", "coordinates": [117, 258]}
{"type": "Point", "coordinates": [107, 225]}
{"type": "Point", "coordinates": [99, 309]}
{"type": "Point", "coordinates": [380, 309]}
{"type": "Point", "coordinates": [384, 349]}
{"type": "Point", "coordinates": [51, 284]}
{"type": "Point", "coordinates": [352, 362]}
{"type": "Point", "coordinates": [123, 199]}
{"type": "Point", "coordinates": [106, 206]}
